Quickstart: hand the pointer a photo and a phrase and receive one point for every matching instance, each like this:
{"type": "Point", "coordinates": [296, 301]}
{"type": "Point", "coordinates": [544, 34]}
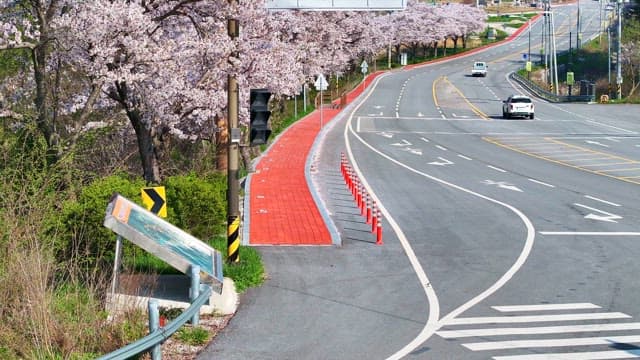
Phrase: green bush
{"type": "Point", "coordinates": [197, 205]}
{"type": "Point", "coordinates": [77, 229]}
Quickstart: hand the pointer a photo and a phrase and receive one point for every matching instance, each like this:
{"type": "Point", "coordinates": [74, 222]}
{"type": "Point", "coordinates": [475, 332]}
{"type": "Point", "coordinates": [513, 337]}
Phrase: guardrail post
{"type": "Point", "coordinates": [194, 291]}
{"type": "Point", "coordinates": [154, 325]}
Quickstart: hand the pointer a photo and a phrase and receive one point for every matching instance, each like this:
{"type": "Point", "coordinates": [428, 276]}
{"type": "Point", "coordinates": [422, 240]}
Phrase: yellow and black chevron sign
{"type": "Point", "coordinates": [154, 199]}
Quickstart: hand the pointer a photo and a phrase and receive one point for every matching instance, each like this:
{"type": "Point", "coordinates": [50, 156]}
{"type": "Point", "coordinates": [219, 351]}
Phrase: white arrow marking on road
{"type": "Point", "coordinates": [608, 216]}
{"type": "Point", "coordinates": [443, 162]}
{"type": "Point", "coordinates": [413, 151]}
{"type": "Point", "coordinates": [403, 143]}
{"type": "Point", "coordinates": [503, 185]}
{"type": "Point", "coordinates": [387, 135]}
{"type": "Point", "coordinates": [596, 143]}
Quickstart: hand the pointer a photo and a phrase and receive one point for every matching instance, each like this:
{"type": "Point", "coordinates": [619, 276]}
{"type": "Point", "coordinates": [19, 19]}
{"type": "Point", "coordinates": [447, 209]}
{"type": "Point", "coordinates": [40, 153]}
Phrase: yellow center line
{"type": "Point", "coordinates": [617, 170]}
{"type": "Point", "coordinates": [587, 149]}
{"type": "Point", "coordinates": [473, 107]}
{"type": "Point", "coordinates": [629, 179]}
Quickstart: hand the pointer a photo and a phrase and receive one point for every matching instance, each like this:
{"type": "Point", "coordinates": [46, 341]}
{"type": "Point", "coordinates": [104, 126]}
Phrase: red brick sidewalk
{"type": "Point", "coordinates": [281, 209]}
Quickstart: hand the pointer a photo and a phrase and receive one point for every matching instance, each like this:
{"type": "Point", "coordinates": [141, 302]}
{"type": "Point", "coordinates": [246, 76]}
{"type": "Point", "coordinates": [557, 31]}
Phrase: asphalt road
{"type": "Point", "coordinates": [503, 239]}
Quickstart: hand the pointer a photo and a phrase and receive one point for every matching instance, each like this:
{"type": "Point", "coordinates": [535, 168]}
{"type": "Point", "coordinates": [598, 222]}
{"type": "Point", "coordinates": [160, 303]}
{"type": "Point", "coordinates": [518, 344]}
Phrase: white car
{"type": "Point", "coordinates": [517, 105]}
{"type": "Point", "coordinates": [479, 69]}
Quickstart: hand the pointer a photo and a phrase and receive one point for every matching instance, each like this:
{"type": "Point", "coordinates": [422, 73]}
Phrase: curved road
{"type": "Point", "coordinates": [503, 239]}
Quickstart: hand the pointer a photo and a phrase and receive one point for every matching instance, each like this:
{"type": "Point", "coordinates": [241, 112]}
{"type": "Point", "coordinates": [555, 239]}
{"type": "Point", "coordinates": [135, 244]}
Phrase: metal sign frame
{"type": "Point", "coordinates": [164, 240]}
{"type": "Point", "coordinates": [337, 5]}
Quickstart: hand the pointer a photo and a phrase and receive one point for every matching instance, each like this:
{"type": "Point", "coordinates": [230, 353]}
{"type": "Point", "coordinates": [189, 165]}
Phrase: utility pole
{"type": "Point", "coordinates": [233, 212]}
{"type": "Point", "coordinates": [578, 35]}
{"type": "Point", "coordinates": [609, 59]}
{"type": "Point", "coordinates": [618, 66]}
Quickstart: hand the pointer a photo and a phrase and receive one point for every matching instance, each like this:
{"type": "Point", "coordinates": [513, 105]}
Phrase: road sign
{"type": "Point", "coordinates": [525, 56]}
{"type": "Point", "coordinates": [364, 66]}
{"type": "Point", "coordinates": [154, 199]}
{"type": "Point", "coordinates": [164, 240]}
{"type": "Point", "coordinates": [528, 66]}
{"type": "Point", "coordinates": [321, 83]}
{"type": "Point", "coordinates": [570, 79]}
{"type": "Point", "coordinates": [338, 5]}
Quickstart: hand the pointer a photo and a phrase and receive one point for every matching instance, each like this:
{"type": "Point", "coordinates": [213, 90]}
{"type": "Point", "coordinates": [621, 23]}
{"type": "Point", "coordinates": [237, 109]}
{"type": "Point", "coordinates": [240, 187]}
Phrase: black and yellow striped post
{"type": "Point", "coordinates": [233, 240]}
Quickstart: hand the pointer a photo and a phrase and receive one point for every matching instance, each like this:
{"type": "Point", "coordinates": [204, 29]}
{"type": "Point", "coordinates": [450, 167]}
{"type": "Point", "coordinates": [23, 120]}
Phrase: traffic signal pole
{"type": "Point", "coordinates": [233, 212]}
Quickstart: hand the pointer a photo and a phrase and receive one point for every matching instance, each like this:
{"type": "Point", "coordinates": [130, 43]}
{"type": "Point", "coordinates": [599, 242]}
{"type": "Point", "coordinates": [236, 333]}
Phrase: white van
{"type": "Point", "coordinates": [479, 69]}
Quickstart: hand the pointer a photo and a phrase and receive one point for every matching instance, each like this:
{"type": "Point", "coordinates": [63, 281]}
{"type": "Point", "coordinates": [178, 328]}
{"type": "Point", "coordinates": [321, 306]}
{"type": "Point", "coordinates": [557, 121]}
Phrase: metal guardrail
{"type": "Point", "coordinates": [549, 96]}
{"type": "Point", "coordinates": [158, 336]}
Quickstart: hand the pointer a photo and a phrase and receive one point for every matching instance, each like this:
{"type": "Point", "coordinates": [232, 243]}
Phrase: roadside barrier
{"type": "Point", "coordinates": [362, 198]}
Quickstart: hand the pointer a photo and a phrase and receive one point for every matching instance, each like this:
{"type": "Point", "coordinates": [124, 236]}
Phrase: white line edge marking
{"type": "Point", "coordinates": [496, 168]}
{"type": "Point", "coordinates": [545, 307]}
{"type": "Point", "coordinates": [541, 183]}
{"type": "Point", "coordinates": [464, 157]}
{"type": "Point", "coordinates": [596, 210]}
{"type": "Point", "coordinates": [590, 233]}
{"type": "Point", "coordinates": [434, 307]}
{"type": "Point", "coordinates": [450, 334]}
{"type": "Point", "coordinates": [536, 318]}
{"type": "Point", "coordinates": [518, 344]}
{"type": "Point", "coordinates": [590, 355]}
{"type": "Point", "coordinates": [441, 147]}
{"type": "Point", "coordinates": [602, 201]}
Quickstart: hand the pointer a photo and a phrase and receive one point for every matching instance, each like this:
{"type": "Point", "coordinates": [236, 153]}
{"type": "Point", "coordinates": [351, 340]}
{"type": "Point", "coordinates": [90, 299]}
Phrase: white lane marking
{"type": "Point", "coordinates": [546, 307]}
{"type": "Point", "coordinates": [424, 139]}
{"type": "Point", "coordinates": [517, 344]}
{"type": "Point", "coordinates": [590, 233]}
{"type": "Point", "coordinates": [496, 169]}
{"type": "Point", "coordinates": [608, 217]}
{"type": "Point", "coordinates": [413, 151]}
{"type": "Point", "coordinates": [384, 134]}
{"type": "Point", "coordinates": [541, 183]}
{"type": "Point", "coordinates": [434, 306]}
{"type": "Point", "coordinates": [502, 185]}
{"type": "Point", "coordinates": [464, 157]}
{"type": "Point", "coordinates": [450, 334]}
{"type": "Point", "coordinates": [591, 355]}
{"type": "Point", "coordinates": [442, 162]}
{"type": "Point", "coordinates": [596, 143]}
{"type": "Point", "coordinates": [602, 201]}
{"type": "Point", "coordinates": [612, 139]}
{"type": "Point", "coordinates": [536, 318]}
{"type": "Point", "coordinates": [441, 147]}
{"type": "Point", "coordinates": [402, 143]}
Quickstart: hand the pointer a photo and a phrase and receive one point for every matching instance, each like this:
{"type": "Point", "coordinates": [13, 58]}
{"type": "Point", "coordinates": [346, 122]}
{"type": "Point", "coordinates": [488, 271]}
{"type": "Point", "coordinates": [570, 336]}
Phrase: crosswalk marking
{"type": "Point", "coordinates": [539, 330]}
{"type": "Point", "coordinates": [543, 307]}
{"type": "Point", "coordinates": [604, 340]}
{"type": "Point", "coordinates": [536, 318]}
{"type": "Point", "coordinates": [517, 344]}
{"type": "Point", "coordinates": [592, 355]}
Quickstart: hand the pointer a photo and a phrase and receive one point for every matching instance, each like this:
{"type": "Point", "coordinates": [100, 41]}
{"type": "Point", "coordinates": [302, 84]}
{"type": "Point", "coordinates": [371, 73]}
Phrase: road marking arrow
{"type": "Point", "coordinates": [608, 217]}
{"type": "Point", "coordinates": [413, 151]}
{"type": "Point", "coordinates": [442, 162]}
{"type": "Point", "coordinates": [403, 143]}
{"type": "Point", "coordinates": [503, 185]}
{"type": "Point", "coordinates": [387, 135]}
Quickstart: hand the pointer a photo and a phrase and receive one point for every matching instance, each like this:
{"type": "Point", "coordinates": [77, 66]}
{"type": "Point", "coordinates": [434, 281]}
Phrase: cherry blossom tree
{"type": "Point", "coordinates": [166, 63]}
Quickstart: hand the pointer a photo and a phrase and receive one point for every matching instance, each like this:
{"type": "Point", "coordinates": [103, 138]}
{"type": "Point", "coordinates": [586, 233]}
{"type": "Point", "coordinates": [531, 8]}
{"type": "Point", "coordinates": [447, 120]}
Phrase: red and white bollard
{"type": "Point", "coordinates": [370, 204]}
{"type": "Point", "coordinates": [379, 234]}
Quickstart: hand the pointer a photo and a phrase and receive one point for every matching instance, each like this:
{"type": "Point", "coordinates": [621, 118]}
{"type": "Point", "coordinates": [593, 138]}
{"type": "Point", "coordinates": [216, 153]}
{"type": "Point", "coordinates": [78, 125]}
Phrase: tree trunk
{"type": "Point", "coordinates": [148, 154]}
{"type": "Point", "coordinates": [222, 144]}
{"type": "Point", "coordinates": [144, 133]}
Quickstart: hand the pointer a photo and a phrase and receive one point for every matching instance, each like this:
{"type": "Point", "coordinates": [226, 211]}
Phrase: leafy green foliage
{"type": "Point", "coordinates": [78, 228]}
{"type": "Point", "coordinates": [246, 273]}
{"type": "Point", "coordinates": [197, 205]}
{"type": "Point", "coordinates": [193, 336]}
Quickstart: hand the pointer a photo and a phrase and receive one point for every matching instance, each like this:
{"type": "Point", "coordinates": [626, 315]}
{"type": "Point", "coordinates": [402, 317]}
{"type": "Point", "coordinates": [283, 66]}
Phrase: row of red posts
{"type": "Point", "coordinates": [367, 206]}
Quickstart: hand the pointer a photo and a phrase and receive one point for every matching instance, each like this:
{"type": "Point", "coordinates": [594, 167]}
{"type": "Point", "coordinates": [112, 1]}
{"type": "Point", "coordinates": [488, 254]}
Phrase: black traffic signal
{"type": "Point", "coordinates": [259, 113]}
